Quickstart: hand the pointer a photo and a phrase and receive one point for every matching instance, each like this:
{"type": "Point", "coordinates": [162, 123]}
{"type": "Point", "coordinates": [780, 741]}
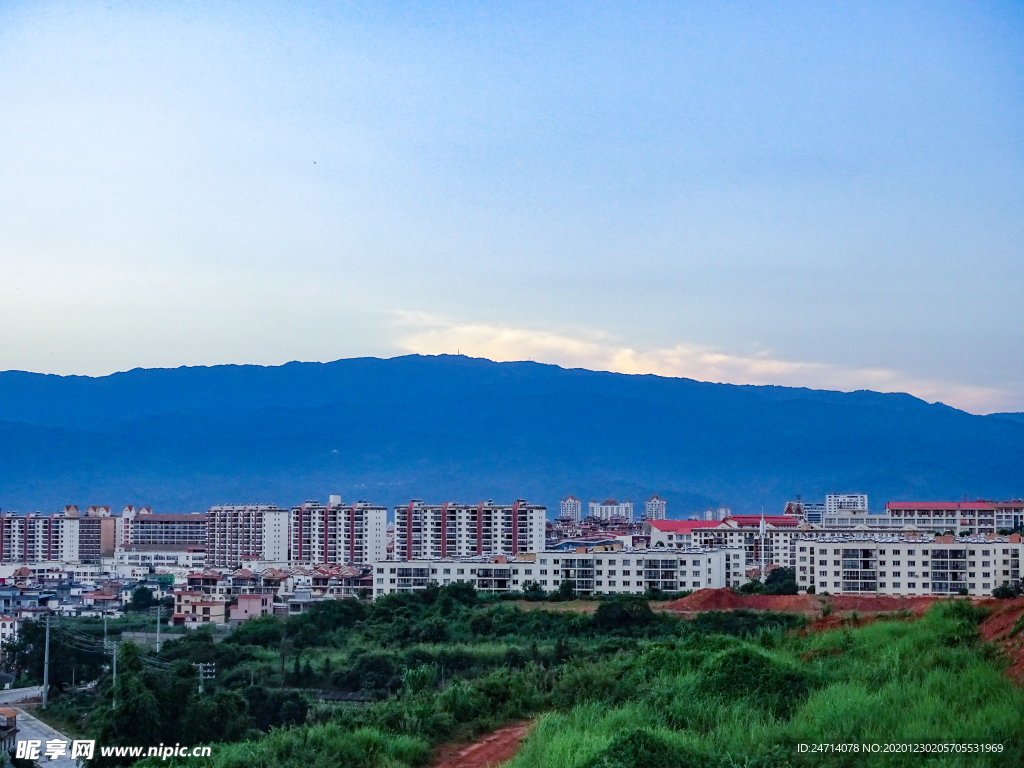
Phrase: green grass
{"type": "Point", "coordinates": [623, 688]}
{"type": "Point", "coordinates": [926, 681]}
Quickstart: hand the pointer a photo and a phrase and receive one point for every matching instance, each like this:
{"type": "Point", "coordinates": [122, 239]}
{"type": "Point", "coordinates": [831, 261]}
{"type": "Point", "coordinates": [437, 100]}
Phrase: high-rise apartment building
{"type": "Point", "coordinates": [570, 509]}
{"type": "Point", "coordinates": [610, 508]}
{"type": "Point", "coordinates": [65, 536]}
{"type": "Point", "coordinates": [140, 527]}
{"type": "Point", "coordinates": [246, 532]}
{"type": "Point", "coordinates": [655, 508]}
{"type": "Point", "coordinates": [846, 504]}
{"type": "Point", "coordinates": [450, 529]}
{"type": "Point", "coordinates": [352, 534]}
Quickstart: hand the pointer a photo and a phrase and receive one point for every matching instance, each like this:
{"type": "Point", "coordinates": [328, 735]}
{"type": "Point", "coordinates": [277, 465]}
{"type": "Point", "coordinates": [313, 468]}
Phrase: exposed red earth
{"type": "Point", "coordinates": [489, 750]}
{"type": "Point", "coordinates": [809, 605]}
{"type": "Point", "coordinates": [728, 600]}
{"type": "Point", "coordinates": [996, 628]}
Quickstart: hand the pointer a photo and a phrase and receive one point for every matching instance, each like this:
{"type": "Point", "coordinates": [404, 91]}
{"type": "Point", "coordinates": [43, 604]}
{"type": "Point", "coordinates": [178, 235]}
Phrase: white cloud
{"type": "Point", "coordinates": [431, 335]}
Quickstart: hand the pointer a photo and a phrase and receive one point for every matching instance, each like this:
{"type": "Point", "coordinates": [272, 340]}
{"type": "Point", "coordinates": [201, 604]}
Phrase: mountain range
{"type": "Point", "coordinates": [467, 429]}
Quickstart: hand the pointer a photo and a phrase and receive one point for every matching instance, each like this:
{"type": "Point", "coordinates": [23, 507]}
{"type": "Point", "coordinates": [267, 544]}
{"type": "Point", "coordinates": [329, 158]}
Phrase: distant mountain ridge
{"type": "Point", "coordinates": [453, 427]}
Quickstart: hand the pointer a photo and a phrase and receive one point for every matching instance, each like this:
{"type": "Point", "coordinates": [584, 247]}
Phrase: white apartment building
{"type": "Point", "coordinates": [451, 529]}
{"type": "Point", "coordinates": [655, 508]}
{"type": "Point", "coordinates": [774, 546]}
{"type": "Point", "coordinates": [570, 509]}
{"type": "Point", "coordinates": [246, 532]}
{"type": "Point", "coordinates": [610, 508]}
{"type": "Point", "coordinates": [72, 537]}
{"type": "Point", "coordinates": [192, 558]}
{"type": "Point", "coordinates": [353, 534]}
{"type": "Point", "coordinates": [140, 527]}
{"type": "Point", "coordinates": [36, 538]}
{"type": "Point", "coordinates": [846, 503]}
{"type": "Point", "coordinates": [908, 565]}
{"type": "Point", "coordinates": [623, 571]}
{"type": "Point", "coordinates": [811, 511]}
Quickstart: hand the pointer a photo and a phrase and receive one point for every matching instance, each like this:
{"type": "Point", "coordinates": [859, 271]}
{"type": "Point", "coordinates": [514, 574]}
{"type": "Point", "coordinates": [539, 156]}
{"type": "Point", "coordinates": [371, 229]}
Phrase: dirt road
{"type": "Point", "coordinates": [489, 750]}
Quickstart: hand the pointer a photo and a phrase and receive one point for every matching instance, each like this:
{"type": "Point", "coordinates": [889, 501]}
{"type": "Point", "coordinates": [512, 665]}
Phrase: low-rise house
{"type": "Point", "coordinates": [249, 606]}
{"type": "Point", "coordinates": [9, 626]}
{"type": "Point", "coordinates": [195, 608]}
{"type": "Point", "coordinates": [8, 729]}
{"type": "Point", "coordinates": [209, 582]}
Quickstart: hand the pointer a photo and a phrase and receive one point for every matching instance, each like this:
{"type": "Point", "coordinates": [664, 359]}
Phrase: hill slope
{"type": "Point", "coordinates": [461, 428]}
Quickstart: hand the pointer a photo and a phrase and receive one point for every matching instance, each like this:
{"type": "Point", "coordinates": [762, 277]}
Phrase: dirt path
{"type": "Point", "coordinates": [489, 750]}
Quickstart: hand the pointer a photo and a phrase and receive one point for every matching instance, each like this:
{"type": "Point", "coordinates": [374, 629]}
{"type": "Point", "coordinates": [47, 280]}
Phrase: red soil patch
{"type": "Point", "coordinates": [881, 604]}
{"type": "Point", "coordinates": [996, 629]}
{"type": "Point", "coordinates": [807, 604]}
{"type": "Point", "coordinates": [494, 748]}
{"type": "Point", "coordinates": [707, 600]}
{"type": "Point", "coordinates": [728, 600]}
{"type": "Point", "coordinates": [837, 621]}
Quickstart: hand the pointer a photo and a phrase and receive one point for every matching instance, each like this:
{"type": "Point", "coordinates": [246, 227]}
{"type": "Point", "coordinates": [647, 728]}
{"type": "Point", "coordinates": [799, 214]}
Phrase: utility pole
{"type": "Point", "coordinates": [115, 677]}
{"type": "Point", "coordinates": [206, 672]}
{"type": "Point", "coordinates": [158, 609]}
{"type": "Point", "coordinates": [46, 662]}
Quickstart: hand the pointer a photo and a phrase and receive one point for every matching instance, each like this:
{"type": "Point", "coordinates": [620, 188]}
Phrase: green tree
{"type": "Point", "coordinates": [217, 715]}
{"type": "Point", "coordinates": [142, 599]}
{"type": "Point", "coordinates": [567, 589]}
{"type": "Point", "coordinates": [74, 652]}
{"type": "Point", "coordinates": [129, 714]}
{"type": "Point", "coordinates": [533, 592]}
{"type": "Point", "coordinates": [781, 581]}
{"type": "Point", "coordinates": [623, 613]}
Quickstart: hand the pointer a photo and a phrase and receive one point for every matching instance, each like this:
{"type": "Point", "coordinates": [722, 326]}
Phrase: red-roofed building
{"type": "Point", "coordinates": [736, 531]}
{"type": "Point", "coordinates": [962, 518]}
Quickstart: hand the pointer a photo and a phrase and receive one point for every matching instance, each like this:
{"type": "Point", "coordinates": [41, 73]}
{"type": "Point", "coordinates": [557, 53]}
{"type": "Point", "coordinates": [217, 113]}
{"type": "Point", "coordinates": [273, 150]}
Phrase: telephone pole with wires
{"type": "Point", "coordinates": [46, 663]}
{"type": "Point", "coordinates": [206, 672]}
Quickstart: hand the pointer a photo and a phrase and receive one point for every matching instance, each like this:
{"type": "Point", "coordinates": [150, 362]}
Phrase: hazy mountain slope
{"type": "Point", "coordinates": [454, 427]}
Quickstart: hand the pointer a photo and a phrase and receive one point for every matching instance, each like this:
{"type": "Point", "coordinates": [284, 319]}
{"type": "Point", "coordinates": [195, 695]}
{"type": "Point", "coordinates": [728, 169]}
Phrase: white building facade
{"type": "Point", "coordinates": [902, 565]}
{"type": "Point", "coordinates": [570, 509]}
{"type": "Point", "coordinates": [611, 509]}
{"type": "Point", "coordinates": [655, 509]}
{"type": "Point", "coordinates": [622, 571]}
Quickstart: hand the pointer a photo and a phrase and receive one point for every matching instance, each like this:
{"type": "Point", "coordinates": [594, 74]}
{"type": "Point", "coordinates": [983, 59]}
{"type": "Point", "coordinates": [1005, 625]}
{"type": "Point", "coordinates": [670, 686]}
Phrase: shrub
{"type": "Point", "coordinates": [1006, 592]}
{"type": "Point", "coordinates": [433, 631]}
{"type": "Point", "coordinates": [745, 672]}
{"type": "Point", "coordinates": [643, 749]}
{"type": "Point", "coordinates": [623, 613]}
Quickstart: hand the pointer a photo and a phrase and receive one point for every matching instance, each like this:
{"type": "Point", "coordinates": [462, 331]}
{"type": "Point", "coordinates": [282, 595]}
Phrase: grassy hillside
{"type": "Point", "coordinates": [622, 687]}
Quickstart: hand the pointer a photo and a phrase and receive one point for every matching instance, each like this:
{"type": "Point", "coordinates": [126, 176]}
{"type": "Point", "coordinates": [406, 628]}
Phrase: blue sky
{"type": "Point", "coordinates": [820, 194]}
